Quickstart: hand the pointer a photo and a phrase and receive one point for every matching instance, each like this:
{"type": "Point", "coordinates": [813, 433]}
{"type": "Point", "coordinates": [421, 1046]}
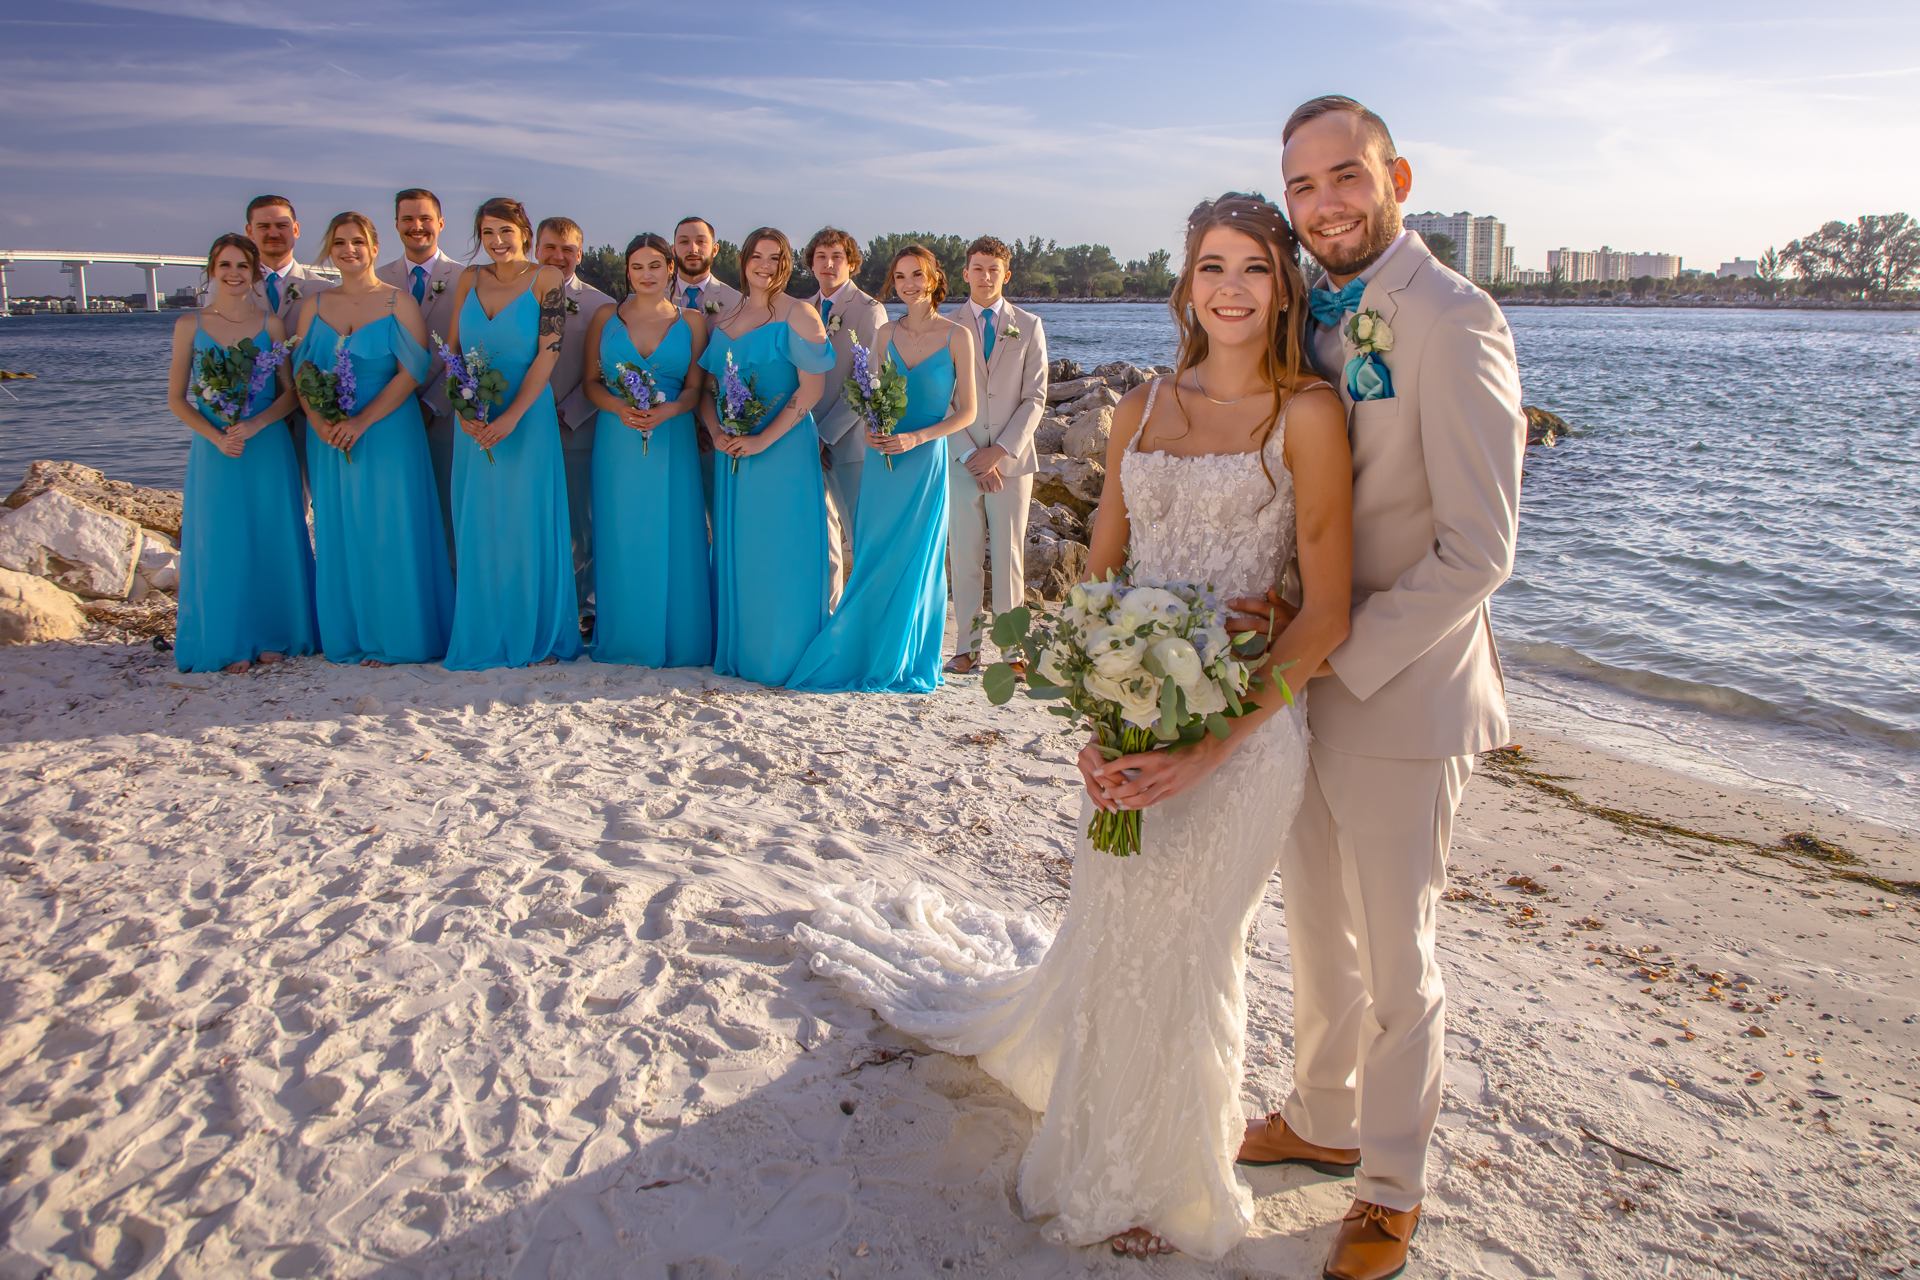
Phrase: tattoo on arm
{"type": "Point", "coordinates": [553, 317]}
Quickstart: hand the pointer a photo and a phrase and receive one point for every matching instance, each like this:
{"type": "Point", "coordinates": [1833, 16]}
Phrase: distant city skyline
{"type": "Point", "coordinates": [1710, 133]}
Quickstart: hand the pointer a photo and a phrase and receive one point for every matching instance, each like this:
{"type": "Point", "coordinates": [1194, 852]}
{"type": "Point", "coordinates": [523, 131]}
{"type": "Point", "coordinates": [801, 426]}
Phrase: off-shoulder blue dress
{"type": "Point", "coordinates": [382, 582]}
{"type": "Point", "coordinates": [514, 604]}
{"type": "Point", "coordinates": [246, 567]}
{"type": "Point", "coordinates": [769, 516]}
{"type": "Point", "coordinates": [652, 565]}
{"type": "Point", "coordinates": [887, 634]}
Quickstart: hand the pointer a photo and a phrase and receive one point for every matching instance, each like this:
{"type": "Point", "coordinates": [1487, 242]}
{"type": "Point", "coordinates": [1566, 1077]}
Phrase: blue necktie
{"type": "Point", "coordinates": [273, 292]}
{"type": "Point", "coordinates": [826, 309]}
{"type": "Point", "coordinates": [419, 284]}
{"type": "Point", "coordinates": [1328, 306]}
{"type": "Point", "coordinates": [693, 296]}
{"type": "Point", "coordinates": [986, 325]}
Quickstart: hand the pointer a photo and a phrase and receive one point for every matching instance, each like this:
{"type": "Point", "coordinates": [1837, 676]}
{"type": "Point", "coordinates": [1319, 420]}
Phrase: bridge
{"type": "Point", "coordinates": [77, 263]}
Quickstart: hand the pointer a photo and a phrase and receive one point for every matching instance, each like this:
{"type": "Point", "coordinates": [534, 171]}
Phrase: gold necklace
{"type": "Point", "coordinates": [224, 316]}
{"type": "Point", "coordinates": [1202, 387]}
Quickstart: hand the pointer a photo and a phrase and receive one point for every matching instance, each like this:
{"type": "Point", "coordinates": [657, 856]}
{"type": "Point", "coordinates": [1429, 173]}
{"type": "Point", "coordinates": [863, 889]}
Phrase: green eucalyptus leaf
{"type": "Point", "coordinates": [1153, 665]}
{"type": "Point", "coordinates": [1233, 698]}
{"type": "Point", "coordinates": [1010, 628]}
{"type": "Point", "coordinates": [1217, 725]}
{"type": "Point", "coordinates": [999, 683]}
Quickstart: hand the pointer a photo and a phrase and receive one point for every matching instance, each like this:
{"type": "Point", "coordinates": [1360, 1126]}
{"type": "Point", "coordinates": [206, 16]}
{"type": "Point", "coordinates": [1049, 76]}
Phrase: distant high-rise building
{"type": "Point", "coordinates": [1741, 268]}
{"type": "Point", "coordinates": [1480, 249]}
{"type": "Point", "coordinates": [1576, 265]}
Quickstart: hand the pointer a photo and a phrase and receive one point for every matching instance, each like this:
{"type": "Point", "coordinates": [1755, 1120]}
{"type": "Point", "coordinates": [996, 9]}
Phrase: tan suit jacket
{"type": "Point", "coordinates": [437, 310]}
{"type": "Point", "coordinates": [861, 316]}
{"type": "Point", "coordinates": [577, 413]}
{"type": "Point", "coordinates": [1010, 391]}
{"type": "Point", "coordinates": [1436, 505]}
{"type": "Point", "coordinates": [298, 281]}
{"type": "Point", "coordinates": [713, 298]}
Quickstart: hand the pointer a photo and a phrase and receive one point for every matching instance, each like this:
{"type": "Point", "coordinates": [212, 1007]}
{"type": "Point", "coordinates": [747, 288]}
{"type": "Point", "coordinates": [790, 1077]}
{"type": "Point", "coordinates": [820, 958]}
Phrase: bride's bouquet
{"type": "Point", "coordinates": [331, 393]}
{"type": "Point", "coordinates": [638, 387]}
{"type": "Point", "coordinates": [472, 383]}
{"type": "Point", "coordinates": [226, 379]}
{"type": "Point", "coordinates": [881, 397]}
{"type": "Point", "coordinates": [739, 405]}
{"type": "Point", "coordinates": [1143, 667]}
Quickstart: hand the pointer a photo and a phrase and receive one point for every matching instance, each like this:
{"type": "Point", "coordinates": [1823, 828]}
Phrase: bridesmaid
{"type": "Point", "coordinates": [651, 565]}
{"type": "Point", "coordinates": [515, 604]}
{"type": "Point", "coordinates": [246, 569]}
{"type": "Point", "coordinates": [886, 636]}
{"type": "Point", "coordinates": [769, 502]}
{"type": "Point", "coordinates": [385, 592]}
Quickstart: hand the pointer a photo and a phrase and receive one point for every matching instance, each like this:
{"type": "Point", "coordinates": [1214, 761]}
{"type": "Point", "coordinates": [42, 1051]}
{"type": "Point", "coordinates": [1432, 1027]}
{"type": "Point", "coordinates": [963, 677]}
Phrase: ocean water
{"type": "Point", "coordinates": [1719, 567]}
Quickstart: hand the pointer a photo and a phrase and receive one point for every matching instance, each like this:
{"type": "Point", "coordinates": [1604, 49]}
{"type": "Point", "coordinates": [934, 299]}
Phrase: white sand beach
{"type": "Point", "coordinates": [325, 971]}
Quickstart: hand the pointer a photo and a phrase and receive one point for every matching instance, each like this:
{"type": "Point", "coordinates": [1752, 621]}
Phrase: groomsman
{"type": "Point", "coordinates": [850, 315]}
{"type": "Point", "coordinates": [990, 481]}
{"type": "Point", "coordinates": [430, 276]}
{"type": "Point", "coordinates": [557, 242]}
{"type": "Point", "coordinates": [695, 286]}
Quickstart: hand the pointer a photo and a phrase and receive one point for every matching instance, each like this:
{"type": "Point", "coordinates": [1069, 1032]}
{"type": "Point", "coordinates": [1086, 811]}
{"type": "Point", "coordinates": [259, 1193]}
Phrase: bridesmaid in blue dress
{"type": "Point", "coordinates": [652, 567]}
{"type": "Point", "coordinates": [515, 604]}
{"type": "Point", "coordinates": [887, 634]}
{"type": "Point", "coordinates": [246, 568]}
{"type": "Point", "coordinates": [384, 590]}
{"type": "Point", "coordinates": [769, 501]}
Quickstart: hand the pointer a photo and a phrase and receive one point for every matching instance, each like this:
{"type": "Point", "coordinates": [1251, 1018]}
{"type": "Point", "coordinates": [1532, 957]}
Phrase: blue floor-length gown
{"type": "Point", "coordinates": [514, 604]}
{"type": "Point", "coordinates": [380, 557]}
{"type": "Point", "coordinates": [769, 516]}
{"type": "Point", "coordinates": [652, 566]}
{"type": "Point", "coordinates": [246, 567]}
{"type": "Point", "coordinates": [887, 634]}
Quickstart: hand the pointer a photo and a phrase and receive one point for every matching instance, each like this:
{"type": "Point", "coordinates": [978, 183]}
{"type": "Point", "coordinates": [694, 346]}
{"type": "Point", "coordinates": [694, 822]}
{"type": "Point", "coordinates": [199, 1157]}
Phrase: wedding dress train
{"type": "Point", "coordinates": [1126, 1029]}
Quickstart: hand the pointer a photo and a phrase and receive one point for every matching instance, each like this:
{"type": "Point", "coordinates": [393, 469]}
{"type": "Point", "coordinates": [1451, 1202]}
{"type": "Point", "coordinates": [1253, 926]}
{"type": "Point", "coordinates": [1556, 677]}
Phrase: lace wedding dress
{"type": "Point", "coordinates": [1127, 1028]}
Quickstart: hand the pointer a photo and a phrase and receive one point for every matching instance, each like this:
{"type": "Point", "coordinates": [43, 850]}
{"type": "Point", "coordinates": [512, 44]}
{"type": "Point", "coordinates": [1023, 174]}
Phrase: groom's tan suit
{"type": "Point", "coordinates": [1416, 690]}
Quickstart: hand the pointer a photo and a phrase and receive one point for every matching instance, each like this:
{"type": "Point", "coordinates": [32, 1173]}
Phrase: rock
{"type": "Point", "coordinates": [1061, 370]}
{"type": "Point", "coordinates": [1543, 427]}
{"type": "Point", "coordinates": [156, 509]}
{"type": "Point", "coordinates": [33, 610]}
{"type": "Point", "coordinates": [1087, 437]}
{"type": "Point", "coordinates": [159, 561]}
{"type": "Point", "coordinates": [89, 552]}
{"type": "Point", "coordinates": [1072, 389]}
{"type": "Point", "coordinates": [1100, 397]}
{"type": "Point", "coordinates": [1063, 522]}
{"type": "Point", "coordinates": [1050, 435]}
{"type": "Point", "coordinates": [1053, 564]}
{"type": "Point", "coordinates": [153, 615]}
{"type": "Point", "coordinates": [1073, 483]}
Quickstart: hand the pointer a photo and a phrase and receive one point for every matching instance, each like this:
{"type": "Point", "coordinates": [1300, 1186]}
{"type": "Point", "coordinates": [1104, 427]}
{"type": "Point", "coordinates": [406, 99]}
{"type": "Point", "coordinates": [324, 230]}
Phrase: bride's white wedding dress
{"type": "Point", "coordinates": [1127, 1029]}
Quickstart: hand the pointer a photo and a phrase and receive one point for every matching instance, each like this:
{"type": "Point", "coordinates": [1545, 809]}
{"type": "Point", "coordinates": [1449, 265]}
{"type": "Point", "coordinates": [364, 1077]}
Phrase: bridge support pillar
{"type": "Point", "coordinates": [6, 304]}
{"type": "Point", "coordinates": [153, 286]}
{"type": "Point", "coordinates": [79, 270]}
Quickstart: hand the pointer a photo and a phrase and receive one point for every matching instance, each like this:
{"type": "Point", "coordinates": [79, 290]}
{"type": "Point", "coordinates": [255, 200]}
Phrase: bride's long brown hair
{"type": "Point", "coordinates": [1262, 221]}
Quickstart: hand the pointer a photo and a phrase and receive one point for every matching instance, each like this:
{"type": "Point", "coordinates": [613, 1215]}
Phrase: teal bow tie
{"type": "Point", "coordinates": [1328, 306]}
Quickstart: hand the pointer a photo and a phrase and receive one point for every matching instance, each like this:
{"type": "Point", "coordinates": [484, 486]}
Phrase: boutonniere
{"type": "Point", "coordinates": [833, 325]}
{"type": "Point", "coordinates": [439, 287]}
{"type": "Point", "coordinates": [1011, 331]}
{"type": "Point", "coordinates": [293, 292]}
{"type": "Point", "coordinates": [1368, 377]}
{"type": "Point", "coordinates": [712, 308]}
{"type": "Point", "coordinates": [572, 307]}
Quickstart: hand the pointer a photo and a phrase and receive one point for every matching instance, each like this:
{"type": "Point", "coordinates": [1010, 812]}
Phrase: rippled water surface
{"type": "Point", "coordinates": [1722, 558]}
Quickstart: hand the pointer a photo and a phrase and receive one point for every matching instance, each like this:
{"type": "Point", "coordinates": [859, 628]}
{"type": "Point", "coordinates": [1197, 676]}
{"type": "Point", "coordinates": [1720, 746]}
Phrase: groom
{"type": "Point", "coordinates": [1399, 709]}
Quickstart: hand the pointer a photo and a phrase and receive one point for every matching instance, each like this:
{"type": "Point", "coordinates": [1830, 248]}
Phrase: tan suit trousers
{"type": "Point", "coordinates": [1363, 870]}
{"type": "Point", "coordinates": [976, 523]}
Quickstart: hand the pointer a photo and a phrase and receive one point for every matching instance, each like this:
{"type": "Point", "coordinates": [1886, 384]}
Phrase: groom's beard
{"type": "Point", "coordinates": [1382, 230]}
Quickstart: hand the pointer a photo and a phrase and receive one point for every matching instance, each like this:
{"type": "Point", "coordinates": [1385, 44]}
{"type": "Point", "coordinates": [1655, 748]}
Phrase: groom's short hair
{"type": "Point", "coordinates": [1332, 102]}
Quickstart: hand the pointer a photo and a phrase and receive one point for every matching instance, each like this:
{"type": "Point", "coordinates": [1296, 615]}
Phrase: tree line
{"type": "Point", "coordinates": [1040, 269]}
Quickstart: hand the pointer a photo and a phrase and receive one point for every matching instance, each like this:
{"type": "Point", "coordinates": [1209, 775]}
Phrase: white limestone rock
{"type": "Point", "coordinates": [159, 561]}
{"type": "Point", "coordinates": [33, 610]}
{"type": "Point", "coordinates": [86, 551]}
{"type": "Point", "coordinates": [1088, 434]}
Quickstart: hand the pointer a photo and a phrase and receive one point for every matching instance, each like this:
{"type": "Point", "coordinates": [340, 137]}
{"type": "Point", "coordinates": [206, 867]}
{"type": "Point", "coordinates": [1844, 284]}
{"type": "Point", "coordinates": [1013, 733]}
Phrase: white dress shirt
{"type": "Point", "coordinates": [427, 266]}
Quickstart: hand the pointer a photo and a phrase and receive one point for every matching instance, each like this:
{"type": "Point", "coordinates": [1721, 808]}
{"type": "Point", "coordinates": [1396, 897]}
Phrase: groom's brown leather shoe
{"type": "Point", "coordinates": [1372, 1243]}
{"type": "Point", "coordinates": [1271, 1142]}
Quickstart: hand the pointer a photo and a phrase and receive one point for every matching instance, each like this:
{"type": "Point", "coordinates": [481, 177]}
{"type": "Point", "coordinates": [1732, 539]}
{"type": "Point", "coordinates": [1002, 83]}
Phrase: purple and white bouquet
{"type": "Point", "coordinates": [227, 379]}
{"type": "Point", "coordinates": [331, 393]}
{"type": "Point", "coordinates": [472, 383]}
{"type": "Point", "coordinates": [880, 397]}
{"type": "Point", "coordinates": [739, 407]}
{"type": "Point", "coordinates": [635, 384]}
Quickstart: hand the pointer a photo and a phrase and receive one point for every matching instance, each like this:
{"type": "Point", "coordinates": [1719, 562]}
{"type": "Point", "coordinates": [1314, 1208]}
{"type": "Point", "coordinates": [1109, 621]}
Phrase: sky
{"type": "Point", "coordinates": [1706, 129]}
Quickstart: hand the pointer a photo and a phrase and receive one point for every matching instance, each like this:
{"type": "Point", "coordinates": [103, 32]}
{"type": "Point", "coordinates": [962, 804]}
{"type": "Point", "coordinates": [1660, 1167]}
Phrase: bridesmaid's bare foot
{"type": "Point", "coordinates": [374, 662]}
{"type": "Point", "coordinates": [268, 658]}
{"type": "Point", "coordinates": [1140, 1243]}
{"type": "Point", "coordinates": [547, 661]}
{"type": "Point", "coordinates": [237, 668]}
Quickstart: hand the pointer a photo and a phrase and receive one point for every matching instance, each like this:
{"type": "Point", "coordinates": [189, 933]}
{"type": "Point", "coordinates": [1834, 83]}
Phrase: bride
{"type": "Point", "coordinates": [1127, 1029]}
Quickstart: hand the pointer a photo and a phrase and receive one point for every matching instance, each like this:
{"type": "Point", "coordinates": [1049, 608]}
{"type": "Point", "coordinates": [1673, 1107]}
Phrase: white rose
{"type": "Point", "coordinates": [1212, 641]}
{"type": "Point", "coordinates": [1137, 698]}
{"type": "Point", "coordinates": [1115, 650]}
{"type": "Point", "coordinates": [1204, 697]}
{"type": "Point", "coordinates": [1362, 327]}
{"type": "Point", "coordinates": [1178, 659]}
{"type": "Point", "coordinates": [1157, 602]}
{"type": "Point", "coordinates": [1095, 596]}
{"type": "Point", "coordinates": [1382, 338]}
{"type": "Point", "coordinates": [1051, 667]}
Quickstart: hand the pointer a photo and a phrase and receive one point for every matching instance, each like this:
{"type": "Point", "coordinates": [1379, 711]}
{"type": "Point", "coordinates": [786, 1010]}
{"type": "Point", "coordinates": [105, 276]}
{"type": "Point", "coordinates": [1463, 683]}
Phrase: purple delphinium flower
{"type": "Point", "coordinates": [344, 390]}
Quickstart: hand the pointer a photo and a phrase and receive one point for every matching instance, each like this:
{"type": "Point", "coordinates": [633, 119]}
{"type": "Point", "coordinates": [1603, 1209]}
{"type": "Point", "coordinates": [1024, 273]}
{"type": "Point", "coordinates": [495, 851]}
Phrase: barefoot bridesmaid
{"type": "Point", "coordinates": [246, 568]}
{"type": "Point", "coordinates": [515, 605]}
{"type": "Point", "coordinates": [652, 568]}
{"type": "Point", "coordinates": [385, 593]}
{"type": "Point", "coordinates": [769, 502]}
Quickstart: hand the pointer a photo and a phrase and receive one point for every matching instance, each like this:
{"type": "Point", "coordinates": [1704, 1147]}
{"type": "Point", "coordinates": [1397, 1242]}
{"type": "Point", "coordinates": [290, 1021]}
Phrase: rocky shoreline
{"type": "Point", "coordinates": [83, 555]}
